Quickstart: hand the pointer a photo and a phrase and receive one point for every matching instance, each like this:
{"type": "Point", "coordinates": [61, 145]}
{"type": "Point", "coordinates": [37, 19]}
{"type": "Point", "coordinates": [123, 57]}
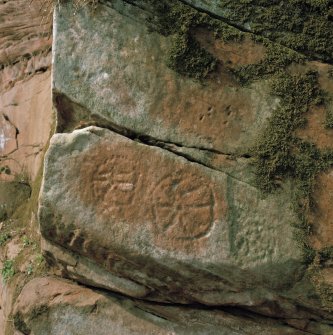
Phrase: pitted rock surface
{"type": "Point", "coordinates": [131, 85]}
{"type": "Point", "coordinates": [151, 193]}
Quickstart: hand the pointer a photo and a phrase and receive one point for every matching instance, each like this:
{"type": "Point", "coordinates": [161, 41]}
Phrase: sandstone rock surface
{"type": "Point", "coordinates": [25, 123]}
{"type": "Point", "coordinates": [131, 85]}
{"type": "Point", "coordinates": [151, 192]}
{"type": "Point", "coordinates": [175, 230]}
{"type": "Point", "coordinates": [160, 201]}
{"type": "Point", "coordinates": [53, 306]}
{"type": "Point", "coordinates": [25, 98]}
{"type": "Point", "coordinates": [303, 25]}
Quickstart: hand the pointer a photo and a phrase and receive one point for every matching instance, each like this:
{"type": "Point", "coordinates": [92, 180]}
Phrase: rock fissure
{"type": "Point", "coordinates": [8, 137]}
{"type": "Point", "coordinates": [171, 147]}
{"type": "Point", "coordinates": [65, 108]}
{"type": "Point", "coordinates": [25, 58]}
{"type": "Point", "coordinates": [236, 312]}
{"type": "Point", "coordinates": [154, 307]}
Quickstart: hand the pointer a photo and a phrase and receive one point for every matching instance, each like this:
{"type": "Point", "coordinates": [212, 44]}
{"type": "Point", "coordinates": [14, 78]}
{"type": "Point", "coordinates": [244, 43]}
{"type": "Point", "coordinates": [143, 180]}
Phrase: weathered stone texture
{"type": "Point", "coordinates": [156, 219]}
{"type": "Point", "coordinates": [150, 195]}
{"type": "Point", "coordinates": [131, 85]}
{"type": "Point", "coordinates": [25, 99]}
{"type": "Point", "coordinates": [25, 123]}
{"type": "Point", "coordinates": [53, 306]}
{"type": "Point", "coordinates": [28, 109]}
{"type": "Point", "coordinates": [159, 201]}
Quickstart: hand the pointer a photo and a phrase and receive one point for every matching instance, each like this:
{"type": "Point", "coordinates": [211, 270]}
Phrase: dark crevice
{"type": "Point", "coordinates": [27, 57]}
{"type": "Point", "coordinates": [170, 146]}
{"type": "Point", "coordinates": [6, 117]}
{"type": "Point", "coordinates": [72, 116]}
{"type": "Point", "coordinates": [77, 256]}
{"type": "Point", "coordinates": [153, 141]}
{"type": "Point", "coordinates": [237, 311]}
{"type": "Point", "coordinates": [148, 311]}
{"type": "Point", "coordinates": [42, 69]}
{"type": "Point", "coordinates": [149, 307]}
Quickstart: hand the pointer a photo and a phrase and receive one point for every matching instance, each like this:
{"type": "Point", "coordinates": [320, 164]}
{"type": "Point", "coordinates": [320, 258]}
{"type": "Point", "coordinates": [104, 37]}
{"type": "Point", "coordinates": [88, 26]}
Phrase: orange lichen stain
{"type": "Point", "coordinates": [233, 54]}
{"type": "Point", "coordinates": [315, 130]}
{"type": "Point", "coordinates": [322, 214]}
{"type": "Point", "coordinates": [219, 112]}
{"type": "Point", "coordinates": [327, 275]}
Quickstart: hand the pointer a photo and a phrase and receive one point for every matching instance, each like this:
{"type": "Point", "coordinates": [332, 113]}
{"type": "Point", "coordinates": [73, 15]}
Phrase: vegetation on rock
{"type": "Point", "coordinates": [276, 59]}
{"type": "Point", "coordinates": [186, 56]}
{"type": "Point", "coordinates": [8, 270]}
{"type": "Point", "coordinates": [301, 32]}
{"type": "Point", "coordinates": [305, 26]}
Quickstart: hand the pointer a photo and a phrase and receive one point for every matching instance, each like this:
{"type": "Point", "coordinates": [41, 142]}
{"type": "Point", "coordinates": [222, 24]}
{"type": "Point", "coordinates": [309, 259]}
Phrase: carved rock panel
{"type": "Point", "coordinates": [157, 219]}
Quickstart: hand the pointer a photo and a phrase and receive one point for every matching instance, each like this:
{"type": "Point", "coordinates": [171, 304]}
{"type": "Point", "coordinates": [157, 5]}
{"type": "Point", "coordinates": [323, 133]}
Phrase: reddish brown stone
{"type": "Point", "coordinates": [315, 130]}
{"type": "Point", "coordinates": [322, 215]}
{"type": "Point", "coordinates": [141, 213]}
{"type": "Point", "coordinates": [127, 185]}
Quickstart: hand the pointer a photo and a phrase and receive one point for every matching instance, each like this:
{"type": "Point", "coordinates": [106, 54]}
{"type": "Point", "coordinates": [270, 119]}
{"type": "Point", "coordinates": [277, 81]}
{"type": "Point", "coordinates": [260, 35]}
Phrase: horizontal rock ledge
{"type": "Point", "coordinates": [56, 306]}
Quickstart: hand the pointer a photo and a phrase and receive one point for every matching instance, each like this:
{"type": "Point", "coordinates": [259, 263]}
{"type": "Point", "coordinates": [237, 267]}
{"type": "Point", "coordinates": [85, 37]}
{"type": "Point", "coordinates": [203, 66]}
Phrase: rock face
{"type": "Point", "coordinates": [25, 99]}
{"type": "Point", "coordinates": [302, 26]}
{"type": "Point", "coordinates": [154, 100]}
{"type": "Point", "coordinates": [155, 195]}
{"type": "Point", "coordinates": [188, 182]}
{"type": "Point", "coordinates": [53, 306]}
{"type": "Point", "coordinates": [25, 124]}
{"type": "Point", "coordinates": [137, 210]}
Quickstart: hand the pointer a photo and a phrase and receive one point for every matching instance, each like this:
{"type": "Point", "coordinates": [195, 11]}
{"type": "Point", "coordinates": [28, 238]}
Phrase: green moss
{"type": "Point", "coordinates": [326, 294]}
{"type": "Point", "coordinates": [174, 17]}
{"type": "Point", "coordinates": [38, 311]}
{"type": "Point", "coordinates": [329, 119]}
{"type": "Point", "coordinates": [304, 26]}
{"type": "Point", "coordinates": [325, 254]}
{"type": "Point", "coordinates": [277, 58]}
{"type": "Point", "coordinates": [12, 196]}
{"type": "Point", "coordinates": [4, 237]}
{"type": "Point", "coordinates": [186, 56]}
{"type": "Point", "coordinates": [293, 30]}
{"type": "Point", "coordinates": [23, 212]}
{"type": "Point", "coordinates": [189, 59]}
{"type": "Point", "coordinates": [330, 73]}
{"type": "Point", "coordinates": [3, 212]}
{"type": "Point", "coordinates": [8, 270]}
{"type": "Point", "coordinates": [281, 155]}
{"type": "Point", "coordinates": [20, 324]}
{"type": "Point", "coordinates": [5, 169]}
